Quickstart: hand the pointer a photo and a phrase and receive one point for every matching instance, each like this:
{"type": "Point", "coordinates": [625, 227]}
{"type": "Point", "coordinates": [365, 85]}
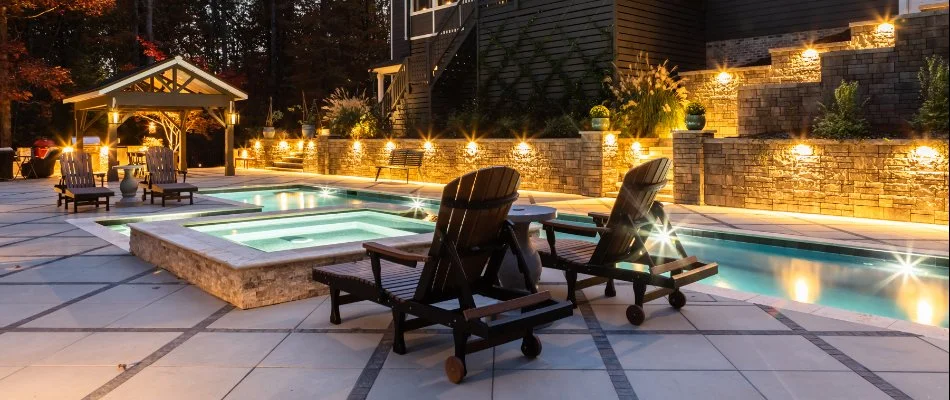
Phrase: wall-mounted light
{"type": "Point", "coordinates": [610, 139]}
{"type": "Point", "coordinates": [357, 146]}
{"type": "Point", "coordinates": [258, 145]}
{"type": "Point", "coordinates": [283, 145]}
{"type": "Point", "coordinates": [68, 149]}
{"type": "Point", "coordinates": [724, 77]}
{"type": "Point", "coordinates": [636, 148]}
{"type": "Point", "coordinates": [311, 144]}
{"type": "Point", "coordinates": [471, 148]}
{"type": "Point", "coordinates": [428, 146]}
{"type": "Point", "coordinates": [926, 154]}
{"type": "Point", "coordinates": [524, 148]}
{"type": "Point", "coordinates": [300, 145]}
{"type": "Point", "coordinates": [810, 54]}
{"type": "Point", "coordinates": [104, 150]}
{"type": "Point", "coordinates": [390, 146]}
{"type": "Point", "coordinates": [233, 118]}
{"type": "Point", "coordinates": [885, 28]}
{"type": "Point", "coordinates": [114, 117]}
{"type": "Point", "coordinates": [803, 150]}
{"type": "Point", "coordinates": [244, 153]}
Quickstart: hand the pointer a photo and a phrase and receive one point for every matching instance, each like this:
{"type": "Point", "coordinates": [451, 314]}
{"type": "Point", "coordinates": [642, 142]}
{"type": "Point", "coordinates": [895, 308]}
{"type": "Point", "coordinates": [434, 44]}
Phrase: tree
{"type": "Point", "coordinates": [21, 74]}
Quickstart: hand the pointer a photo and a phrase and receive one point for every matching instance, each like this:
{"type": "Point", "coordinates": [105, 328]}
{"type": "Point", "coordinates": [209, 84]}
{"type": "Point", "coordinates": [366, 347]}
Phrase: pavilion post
{"type": "Point", "coordinates": [183, 143]}
{"type": "Point", "coordinates": [112, 135]}
{"type": "Point", "coordinates": [229, 148]}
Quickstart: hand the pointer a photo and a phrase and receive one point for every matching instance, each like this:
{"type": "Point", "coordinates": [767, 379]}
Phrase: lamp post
{"type": "Point", "coordinates": [231, 118]}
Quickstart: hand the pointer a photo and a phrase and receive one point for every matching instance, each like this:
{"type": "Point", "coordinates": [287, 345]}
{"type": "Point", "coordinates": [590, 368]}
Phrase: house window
{"type": "Point", "coordinates": [421, 5]}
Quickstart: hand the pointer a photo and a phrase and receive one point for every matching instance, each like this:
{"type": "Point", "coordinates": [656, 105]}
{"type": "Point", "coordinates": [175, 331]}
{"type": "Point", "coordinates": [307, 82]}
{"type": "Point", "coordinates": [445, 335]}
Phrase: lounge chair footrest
{"type": "Point", "coordinates": [674, 265]}
{"type": "Point", "coordinates": [695, 274]}
{"type": "Point", "coordinates": [656, 294]}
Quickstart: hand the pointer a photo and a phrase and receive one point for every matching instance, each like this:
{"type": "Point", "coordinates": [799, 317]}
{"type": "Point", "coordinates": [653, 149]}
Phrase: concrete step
{"type": "Point", "coordinates": [295, 160]}
{"type": "Point", "coordinates": [285, 169]}
{"type": "Point", "coordinates": [288, 165]}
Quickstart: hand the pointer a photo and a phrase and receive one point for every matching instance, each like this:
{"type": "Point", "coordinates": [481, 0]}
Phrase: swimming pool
{"type": "Point", "coordinates": [907, 287]}
{"type": "Point", "coordinates": [299, 232]}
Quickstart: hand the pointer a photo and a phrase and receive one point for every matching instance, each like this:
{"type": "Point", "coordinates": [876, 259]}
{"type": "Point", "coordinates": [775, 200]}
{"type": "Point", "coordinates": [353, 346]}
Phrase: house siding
{"type": "Point", "coordinates": [397, 34]}
{"type": "Point", "coordinates": [667, 30]}
{"type": "Point", "coordinates": [734, 19]}
{"type": "Point", "coordinates": [531, 35]}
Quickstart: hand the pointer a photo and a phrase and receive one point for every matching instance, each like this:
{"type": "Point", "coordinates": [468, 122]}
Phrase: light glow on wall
{"type": "Point", "coordinates": [357, 146]}
{"type": "Point", "coordinates": [926, 154]}
{"type": "Point", "coordinates": [886, 28]}
{"type": "Point", "coordinates": [471, 148]}
{"type": "Point", "coordinates": [390, 146]}
{"type": "Point", "coordinates": [610, 139]}
{"type": "Point", "coordinates": [283, 145]}
{"type": "Point", "coordinates": [636, 148]}
{"type": "Point", "coordinates": [803, 150]}
{"type": "Point", "coordinates": [258, 145]}
{"type": "Point", "coordinates": [810, 54]}
{"type": "Point", "coordinates": [724, 78]}
{"type": "Point", "coordinates": [428, 146]}
{"type": "Point", "coordinates": [524, 148]}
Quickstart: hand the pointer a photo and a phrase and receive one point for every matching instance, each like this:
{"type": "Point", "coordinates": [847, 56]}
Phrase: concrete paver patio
{"type": "Point", "coordinates": [81, 318]}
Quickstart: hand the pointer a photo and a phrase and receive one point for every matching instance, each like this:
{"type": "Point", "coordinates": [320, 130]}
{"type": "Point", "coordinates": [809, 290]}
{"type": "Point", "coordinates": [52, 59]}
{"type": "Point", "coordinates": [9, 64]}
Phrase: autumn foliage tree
{"type": "Point", "coordinates": [21, 75]}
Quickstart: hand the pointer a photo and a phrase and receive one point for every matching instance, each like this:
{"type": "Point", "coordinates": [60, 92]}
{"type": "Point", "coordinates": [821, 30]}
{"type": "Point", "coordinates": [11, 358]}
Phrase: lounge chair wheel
{"type": "Point", "coordinates": [677, 299]}
{"type": "Point", "coordinates": [455, 369]}
{"type": "Point", "coordinates": [531, 346]}
{"type": "Point", "coordinates": [635, 314]}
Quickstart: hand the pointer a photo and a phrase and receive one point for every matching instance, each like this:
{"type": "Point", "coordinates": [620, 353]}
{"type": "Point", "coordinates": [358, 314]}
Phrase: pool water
{"type": "Point", "coordinates": [288, 233]}
{"type": "Point", "coordinates": [302, 198]}
{"type": "Point", "coordinates": [881, 285]}
{"type": "Point", "coordinates": [892, 288]}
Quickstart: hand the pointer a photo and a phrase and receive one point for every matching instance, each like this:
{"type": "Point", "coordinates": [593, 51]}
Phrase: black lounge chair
{"type": "Point", "coordinates": [623, 235]}
{"type": "Point", "coordinates": [78, 183]}
{"type": "Point", "coordinates": [471, 238]}
{"type": "Point", "coordinates": [162, 177]}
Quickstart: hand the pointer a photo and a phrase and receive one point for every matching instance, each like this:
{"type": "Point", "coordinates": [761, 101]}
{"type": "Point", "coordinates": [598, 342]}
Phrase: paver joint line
{"type": "Point", "coordinates": [839, 355]}
{"type": "Point", "coordinates": [618, 377]}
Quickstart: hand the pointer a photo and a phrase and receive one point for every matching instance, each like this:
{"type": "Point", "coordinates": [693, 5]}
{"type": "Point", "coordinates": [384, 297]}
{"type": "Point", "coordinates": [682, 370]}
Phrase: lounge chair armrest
{"type": "Point", "coordinates": [573, 229]}
{"type": "Point", "coordinates": [184, 175]}
{"type": "Point", "coordinates": [393, 254]}
{"type": "Point", "coordinates": [600, 218]}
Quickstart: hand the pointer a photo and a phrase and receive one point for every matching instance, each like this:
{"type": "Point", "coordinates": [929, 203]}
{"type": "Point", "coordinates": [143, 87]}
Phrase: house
{"type": "Point", "coordinates": [552, 55]}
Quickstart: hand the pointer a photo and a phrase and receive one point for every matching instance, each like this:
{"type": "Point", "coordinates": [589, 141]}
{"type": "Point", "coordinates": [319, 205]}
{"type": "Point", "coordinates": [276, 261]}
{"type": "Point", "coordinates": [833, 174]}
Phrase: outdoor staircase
{"type": "Point", "coordinates": [291, 162]}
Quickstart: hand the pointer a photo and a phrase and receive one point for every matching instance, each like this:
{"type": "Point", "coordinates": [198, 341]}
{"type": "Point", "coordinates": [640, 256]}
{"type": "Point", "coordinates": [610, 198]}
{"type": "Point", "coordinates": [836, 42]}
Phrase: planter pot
{"type": "Point", "coordinates": [307, 131]}
{"type": "Point", "coordinates": [269, 132]}
{"type": "Point", "coordinates": [600, 124]}
{"type": "Point", "coordinates": [695, 122]}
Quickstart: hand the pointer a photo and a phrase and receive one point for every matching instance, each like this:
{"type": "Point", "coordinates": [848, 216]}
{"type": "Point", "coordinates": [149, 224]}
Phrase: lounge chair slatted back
{"type": "Point", "coordinates": [474, 208]}
{"type": "Point", "coordinates": [160, 162]}
{"type": "Point", "coordinates": [76, 169]}
{"type": "Point", "coordinates": [637, 193]}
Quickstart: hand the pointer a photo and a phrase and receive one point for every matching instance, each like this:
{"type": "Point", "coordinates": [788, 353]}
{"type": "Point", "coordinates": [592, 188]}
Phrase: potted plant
{"type": "Point", "coordinates": [600, 118]}
{"type": "Point", "coordinates": [695, 116]}
{"type": "Point", "coordinates": [309, 115]}
{"type": "Point", "coordinates": [272, 118]}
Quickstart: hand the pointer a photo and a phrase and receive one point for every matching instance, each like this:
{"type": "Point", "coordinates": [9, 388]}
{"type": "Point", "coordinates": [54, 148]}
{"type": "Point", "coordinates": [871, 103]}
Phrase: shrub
{"type": "Point", "coordinates": [647, 97]}
{"type": "Point", "coordinates": [560, 127]}
{"type": "Point", "coordinates": [695, 108]}
{"type": "Point", "coordinates": [934, 86]}
{"type": "Point", "coordinates": [462, 123]}
{"type": "Point", "coordinates": [842, 118]}
{"type": "Point", "coordinates": [349, 115]}
{"type": "Point", "coordinates": [599, 111]}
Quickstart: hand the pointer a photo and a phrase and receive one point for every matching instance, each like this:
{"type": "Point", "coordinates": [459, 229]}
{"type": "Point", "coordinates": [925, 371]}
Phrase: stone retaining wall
{"type": "Point", "coordinates": [898, 180]}
{"type": "Point", "coordinates": [590, 165]}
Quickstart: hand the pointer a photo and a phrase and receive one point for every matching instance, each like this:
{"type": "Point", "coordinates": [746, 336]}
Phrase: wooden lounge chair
{"type": "Point", "coordinates": [162, 177]}
{"type": "Point", "coordinates": [404, 160]}
{"type": "Point", "coordinates": [623, 235]}
{"type": "Point", "coordinates": [78, 183]}
{"type": "Point", "coordinates": [469, 243]}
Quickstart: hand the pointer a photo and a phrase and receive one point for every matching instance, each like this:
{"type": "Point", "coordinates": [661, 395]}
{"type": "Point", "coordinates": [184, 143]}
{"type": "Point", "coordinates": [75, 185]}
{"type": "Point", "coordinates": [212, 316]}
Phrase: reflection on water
{"type": "Point", "coordinates": [897, 289]}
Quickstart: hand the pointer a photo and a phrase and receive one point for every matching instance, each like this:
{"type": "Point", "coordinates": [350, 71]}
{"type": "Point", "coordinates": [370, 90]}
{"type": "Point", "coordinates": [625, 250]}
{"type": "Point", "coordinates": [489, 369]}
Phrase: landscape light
{"type": "Point", "coordinates": [926, 153]}
{"type": "Point", "coordinates": [610, 139]}
{"type": "Point", "coordinates": [357, 146]}
{"type": "Point", "coordinates": [524, 147]}
{"type": "Point", "coordinates": [68, 149]}
{"type": "Point", "coordinates": [258, 144]}
{"type": "Point", "coordinates": [427, 145]}
{"type": "Point", "coordinates": [104, 150]}
{"type": "Point", "coordinates": [810, 54]}
{"type": "Point", "coordinates": [724, 78]}
{"type": "Point", "coordinates": [885, 28]}
{"type": "Point", "coordinates": [636, 147]}
{"type": "Point", "coordinates": [471, 148]}
{"type": "Point", "coordinates": [390, 146]}
{"type": "Point", "coordinates": [803, 150]}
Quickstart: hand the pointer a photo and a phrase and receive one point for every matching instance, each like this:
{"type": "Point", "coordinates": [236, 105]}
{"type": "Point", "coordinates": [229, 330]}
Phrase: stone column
{"type": "Point", "coordinates": [229, 149]}
{"type": "Point", "coordinates": [591, 172]}
{"type": "Point", "coordinates": [323, 154]}
{"type": "Point", "coordinates": [688, 166]}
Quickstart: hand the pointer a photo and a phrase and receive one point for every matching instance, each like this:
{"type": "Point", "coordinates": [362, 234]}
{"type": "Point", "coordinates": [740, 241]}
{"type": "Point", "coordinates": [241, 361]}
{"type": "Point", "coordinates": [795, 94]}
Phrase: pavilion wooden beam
{"type": "Point", "coordinates": [177, 100]}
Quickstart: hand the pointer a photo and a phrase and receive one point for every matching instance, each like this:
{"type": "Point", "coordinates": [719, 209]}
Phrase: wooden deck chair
{"type": "Point", "coordinates": [471, 238]}
{"type": "Point", "coordinates": [623, 234]}
{"type": "Point", "coordinates": [162, 177]}
{"type": "Point", "coordinates": [78, 183]}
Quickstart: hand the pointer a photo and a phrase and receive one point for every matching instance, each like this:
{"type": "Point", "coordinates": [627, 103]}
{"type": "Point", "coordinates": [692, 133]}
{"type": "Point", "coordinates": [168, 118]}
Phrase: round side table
{"type": "Point", "coordinates": [522, 216]}
{"type": "Point", "coordinates": [128, 186]}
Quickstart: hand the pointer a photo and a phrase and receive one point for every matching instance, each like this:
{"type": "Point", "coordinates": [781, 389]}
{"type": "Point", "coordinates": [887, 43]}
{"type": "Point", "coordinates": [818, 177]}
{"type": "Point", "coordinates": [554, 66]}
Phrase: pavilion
{"type": "Point", "coordinates": [172, 87]}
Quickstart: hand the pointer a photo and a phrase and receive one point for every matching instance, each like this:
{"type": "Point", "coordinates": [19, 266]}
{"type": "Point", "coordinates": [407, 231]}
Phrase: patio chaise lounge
{"type": "Point", "coordinates": [623, 237]}
{"type": "Point", "coordinates": [471, 238]}
{"type": "Point", "coordinates": [78, 183]}
{"type": "Point", "coordinates": [162, 178]}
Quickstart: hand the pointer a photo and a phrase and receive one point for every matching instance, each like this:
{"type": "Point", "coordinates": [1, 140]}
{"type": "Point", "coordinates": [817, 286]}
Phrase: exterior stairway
{"type": "Point", "coordinates": [290, 162]}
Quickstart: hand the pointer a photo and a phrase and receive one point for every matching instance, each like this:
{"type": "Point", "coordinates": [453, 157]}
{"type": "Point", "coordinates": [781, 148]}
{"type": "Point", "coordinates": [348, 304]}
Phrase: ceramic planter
{"type": "Point", "coordinates": [695, 122]}
{"type": "Point", "coordinates": [600, 124]}
{"type": "Point", "coordinates": [307, 131]}
{"type": "Point", "coordinates": [269, 132]}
